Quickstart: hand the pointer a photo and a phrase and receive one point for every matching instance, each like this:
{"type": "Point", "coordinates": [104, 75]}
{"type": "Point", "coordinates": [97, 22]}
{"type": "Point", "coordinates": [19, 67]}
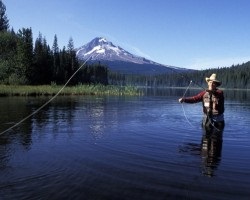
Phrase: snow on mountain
{"type": "Point", "coordinates": [118, 59]}
{"type": "Point", "coordinates": [101, 49]}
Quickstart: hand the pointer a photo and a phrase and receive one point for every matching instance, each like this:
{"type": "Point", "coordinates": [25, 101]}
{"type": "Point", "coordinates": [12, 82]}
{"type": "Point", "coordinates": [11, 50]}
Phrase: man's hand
{"type": "Point", "coordinates": [181, 100]}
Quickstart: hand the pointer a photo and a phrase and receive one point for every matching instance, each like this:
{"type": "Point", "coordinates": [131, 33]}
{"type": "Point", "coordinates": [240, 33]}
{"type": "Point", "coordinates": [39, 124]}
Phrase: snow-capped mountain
{"type": "Point", "coordinates": [101, 49]}
{"type": "Point", "coordinates": [118, 59]}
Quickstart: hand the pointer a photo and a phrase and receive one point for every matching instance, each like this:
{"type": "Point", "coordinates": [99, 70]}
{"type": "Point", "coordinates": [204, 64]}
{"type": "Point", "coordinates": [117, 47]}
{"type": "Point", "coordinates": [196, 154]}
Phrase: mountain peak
{"type": "Point", "coordinates": [118, 59]}
{"type": "Point", "coordinates": [102, 49]}
{"type": "Point", "coordinates": [101, 39]}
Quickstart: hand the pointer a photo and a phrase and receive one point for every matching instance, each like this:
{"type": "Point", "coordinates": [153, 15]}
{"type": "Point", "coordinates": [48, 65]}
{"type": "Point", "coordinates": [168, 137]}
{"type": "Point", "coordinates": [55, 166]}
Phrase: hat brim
{"type": "Point", "coordinates": [216, 81]}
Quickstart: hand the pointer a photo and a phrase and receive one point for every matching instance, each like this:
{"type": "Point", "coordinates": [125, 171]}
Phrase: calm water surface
{"type": "Point", "coordinates": [149, 147]}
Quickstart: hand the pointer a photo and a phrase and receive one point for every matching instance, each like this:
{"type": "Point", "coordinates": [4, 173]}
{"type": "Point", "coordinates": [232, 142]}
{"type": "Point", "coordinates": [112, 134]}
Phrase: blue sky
{"type": "Point", "coordinates": [197, 34]}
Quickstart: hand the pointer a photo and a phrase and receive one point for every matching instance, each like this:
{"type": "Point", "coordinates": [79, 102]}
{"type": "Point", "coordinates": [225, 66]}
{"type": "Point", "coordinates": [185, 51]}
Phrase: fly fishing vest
{"type": "Point", "coordinates": [211, 103]}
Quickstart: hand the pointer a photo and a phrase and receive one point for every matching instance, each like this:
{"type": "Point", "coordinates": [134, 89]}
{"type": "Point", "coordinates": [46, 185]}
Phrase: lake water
{"type": "Point", "coordinates": [149, 147]}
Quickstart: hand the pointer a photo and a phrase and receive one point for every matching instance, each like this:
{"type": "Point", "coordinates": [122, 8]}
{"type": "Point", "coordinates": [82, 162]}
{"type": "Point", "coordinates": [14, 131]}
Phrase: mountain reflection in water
{"type": "Point", "coordinates": [89, 147]}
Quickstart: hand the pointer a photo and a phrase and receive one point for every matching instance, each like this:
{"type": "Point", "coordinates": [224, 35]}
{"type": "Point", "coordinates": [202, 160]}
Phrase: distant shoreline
{"type": "Point", "coordinates": [192, 88]}
{"type": "Point", "coordinates": [50, 90]}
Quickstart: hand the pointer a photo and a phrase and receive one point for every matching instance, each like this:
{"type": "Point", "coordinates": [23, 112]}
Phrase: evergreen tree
{"type": "Point", "coordinates": [8, 43]}
{"type": "Point", "coordinates": [37, 73]}
{"type": "Point", "coordinates": [56, 60]}
{"type": "Point", "coordinates": [24, 55]}
{"type": "Point", "coordinates": [4, 22]}
{"type": "Point", "coordinates": [72, 62]}
{"type": "Point", "coordinates": [100, 74]}
{"type": "Point", "coordinates": [42, 62]}
{"type": "Point", "coordinates": [61, 74]}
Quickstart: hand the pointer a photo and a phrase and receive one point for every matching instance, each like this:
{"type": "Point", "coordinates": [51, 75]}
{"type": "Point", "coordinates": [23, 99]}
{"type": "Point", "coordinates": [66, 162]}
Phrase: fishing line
{"type": "Point", "coordinates": [185, 76]}
{"type": "Point", "coordinates": [45, 104]}
{"type": "Point", "coordinates": [212, 124]}
{"type": "Point", "coordinates": [209, 120]}
{"type": "Point", "coordinates": [183, 106]}
{"type": "Point", "coordinates": [187, 89]}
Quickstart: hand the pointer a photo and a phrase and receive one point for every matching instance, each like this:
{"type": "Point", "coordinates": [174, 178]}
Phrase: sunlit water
{"type": "Point", "coordinates": [149, 147]}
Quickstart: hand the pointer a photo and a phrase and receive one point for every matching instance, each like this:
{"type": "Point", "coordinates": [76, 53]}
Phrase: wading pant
{"type": "Point", "coordinates": [208, 123]}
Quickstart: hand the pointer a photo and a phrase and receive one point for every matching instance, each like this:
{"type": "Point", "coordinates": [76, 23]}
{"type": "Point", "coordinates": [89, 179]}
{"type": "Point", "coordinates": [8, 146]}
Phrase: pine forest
{"type": "Point", "coordinates": [24, 61]}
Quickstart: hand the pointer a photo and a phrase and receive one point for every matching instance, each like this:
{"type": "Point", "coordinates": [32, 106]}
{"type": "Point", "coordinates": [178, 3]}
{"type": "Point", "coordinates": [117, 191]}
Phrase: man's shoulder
{"type": "Point", "coordinates": [219, 91]}
{"type": "Point", "coordinates": [202, 92]}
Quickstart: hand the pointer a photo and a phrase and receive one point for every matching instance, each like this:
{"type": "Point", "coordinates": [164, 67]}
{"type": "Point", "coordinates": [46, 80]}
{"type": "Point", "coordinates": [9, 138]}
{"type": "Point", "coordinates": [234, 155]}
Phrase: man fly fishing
{"type": "Point", "coordinates": [213, 104]}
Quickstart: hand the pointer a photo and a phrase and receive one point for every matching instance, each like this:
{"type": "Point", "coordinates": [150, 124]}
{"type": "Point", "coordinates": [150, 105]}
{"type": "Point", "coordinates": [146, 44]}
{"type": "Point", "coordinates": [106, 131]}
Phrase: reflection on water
{"type": "Point", "coordinates": [97, 118]}
{"type": "Point", "coordinates": [237, 95]}
{"type": "Point", "coordinates": [211, 148]}
{"type": "Point", "coordinates": [122, 148]}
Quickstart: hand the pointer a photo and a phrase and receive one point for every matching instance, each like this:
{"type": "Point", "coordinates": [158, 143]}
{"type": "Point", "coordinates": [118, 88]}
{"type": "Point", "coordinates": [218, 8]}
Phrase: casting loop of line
{"type": "Point", "coordinates": [45, 104]}
{"type": "Point", "coordinates": [183, 106]}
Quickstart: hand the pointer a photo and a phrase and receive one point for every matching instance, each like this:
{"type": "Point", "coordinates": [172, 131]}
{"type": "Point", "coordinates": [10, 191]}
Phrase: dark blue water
{"type": "Point", "coordinates": [148, 147]}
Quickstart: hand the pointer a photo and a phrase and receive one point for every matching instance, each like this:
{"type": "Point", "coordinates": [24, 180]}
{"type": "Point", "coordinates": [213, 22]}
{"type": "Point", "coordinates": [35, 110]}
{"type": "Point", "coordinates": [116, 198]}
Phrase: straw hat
{"type": "Point", "coordinates": [213, 78]}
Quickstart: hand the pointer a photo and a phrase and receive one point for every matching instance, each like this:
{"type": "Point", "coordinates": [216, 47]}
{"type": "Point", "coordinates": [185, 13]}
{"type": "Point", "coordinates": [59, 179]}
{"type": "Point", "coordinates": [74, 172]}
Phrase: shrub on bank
{"type": "Point", "coordinates": [53, 89]}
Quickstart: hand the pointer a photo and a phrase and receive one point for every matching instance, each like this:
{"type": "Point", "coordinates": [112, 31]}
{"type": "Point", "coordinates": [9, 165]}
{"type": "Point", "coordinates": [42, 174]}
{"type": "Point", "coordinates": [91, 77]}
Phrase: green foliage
{"type": "Point", "coordinates": [4, 22]}
{"type": "Point", "coordinates": [8, 43]}
{"type": "Point", "coordinates": [21, 62]}
{"type": "Point", "coordinates": [41, 72]}
{"type": "Point", "coordinates": [45, 90]}
{"type": "Point", "coordinates": [236, 76]}
{"type": "Point", "coordinates": [15, 79]}
{"type": "Point", "coordinates": [24, 54]}
{"type": "Point", "coordinates": [95, 73]}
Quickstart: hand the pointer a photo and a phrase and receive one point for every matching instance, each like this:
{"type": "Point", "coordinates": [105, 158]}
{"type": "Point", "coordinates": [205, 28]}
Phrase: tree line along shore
{"type": "Point", "coordinates": [32, 67]}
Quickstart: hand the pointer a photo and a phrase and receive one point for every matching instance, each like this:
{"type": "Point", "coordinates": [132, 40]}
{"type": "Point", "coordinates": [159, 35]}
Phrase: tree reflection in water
{"type": "Point", "coordinates": [209, 150]}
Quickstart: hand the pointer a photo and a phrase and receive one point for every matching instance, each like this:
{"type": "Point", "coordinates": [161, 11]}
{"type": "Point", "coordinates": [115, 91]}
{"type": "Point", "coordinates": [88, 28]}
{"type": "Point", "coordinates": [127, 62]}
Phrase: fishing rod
{"type": "Point", "coordinates": [185, 76]}
{"type": "Point", "coordinates": [45, 104]}
{"type": "Point", "coordinates": [209, 119]}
